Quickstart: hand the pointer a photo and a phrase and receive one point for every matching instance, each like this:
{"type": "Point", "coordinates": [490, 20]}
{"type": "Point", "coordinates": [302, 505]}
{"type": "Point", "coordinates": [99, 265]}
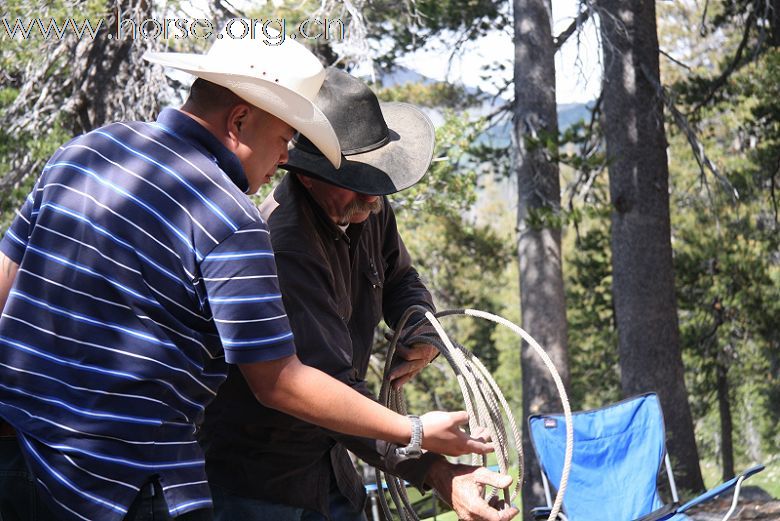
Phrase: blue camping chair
{"type": "Point", "coordinates": [618, 452]}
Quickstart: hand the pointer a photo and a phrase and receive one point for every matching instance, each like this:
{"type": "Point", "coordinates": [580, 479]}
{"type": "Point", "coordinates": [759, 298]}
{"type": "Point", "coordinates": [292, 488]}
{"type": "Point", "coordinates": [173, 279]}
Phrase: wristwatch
{"type": "Point", "coordinates": [413, 450]}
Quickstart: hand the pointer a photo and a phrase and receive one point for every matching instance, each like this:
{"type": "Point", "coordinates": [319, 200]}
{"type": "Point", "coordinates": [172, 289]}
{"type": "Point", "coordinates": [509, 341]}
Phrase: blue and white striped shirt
{"type": "Point", "coordinates": [143, 269]}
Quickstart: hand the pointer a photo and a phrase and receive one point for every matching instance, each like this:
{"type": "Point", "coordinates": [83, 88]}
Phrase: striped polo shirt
{"type": "Point", "coordinates": [143, 269]}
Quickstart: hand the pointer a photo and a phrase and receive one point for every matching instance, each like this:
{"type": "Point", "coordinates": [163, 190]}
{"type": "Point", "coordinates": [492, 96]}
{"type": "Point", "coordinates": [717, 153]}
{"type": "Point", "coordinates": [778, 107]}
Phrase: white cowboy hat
{"type": "Point", "coordinates": [280, 79]}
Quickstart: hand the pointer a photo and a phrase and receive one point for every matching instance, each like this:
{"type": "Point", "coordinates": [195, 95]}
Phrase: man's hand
{"type": "Point", "coordinates": [442, 434]}
{"type": "Point", "coordinates": [461, 487]}
{"type": "Point", "coordinates": [417, 357]}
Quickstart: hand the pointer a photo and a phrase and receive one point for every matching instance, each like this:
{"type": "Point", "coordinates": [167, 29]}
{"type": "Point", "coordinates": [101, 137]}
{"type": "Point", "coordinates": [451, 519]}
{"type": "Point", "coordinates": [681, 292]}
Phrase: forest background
{"type": "Point", "coordinates": [635, 235]}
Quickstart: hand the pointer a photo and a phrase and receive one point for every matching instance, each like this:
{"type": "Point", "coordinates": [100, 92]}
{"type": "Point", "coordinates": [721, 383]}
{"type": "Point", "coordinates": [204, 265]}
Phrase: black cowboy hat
{"type": "Point", "coordinates": [386, 147]}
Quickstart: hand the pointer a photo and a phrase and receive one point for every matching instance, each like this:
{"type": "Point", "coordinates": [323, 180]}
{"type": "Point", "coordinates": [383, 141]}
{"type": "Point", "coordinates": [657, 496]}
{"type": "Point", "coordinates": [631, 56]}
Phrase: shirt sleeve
{"type": "Point", "coordinates": [242, 291]}
{"type": "Point", "coordinates": [15, 239]}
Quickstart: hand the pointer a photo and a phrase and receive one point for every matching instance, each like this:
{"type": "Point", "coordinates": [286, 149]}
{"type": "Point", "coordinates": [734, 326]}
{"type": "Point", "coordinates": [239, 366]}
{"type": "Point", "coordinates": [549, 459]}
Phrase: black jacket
{"type": "Point", "coordinates": [336, 287]}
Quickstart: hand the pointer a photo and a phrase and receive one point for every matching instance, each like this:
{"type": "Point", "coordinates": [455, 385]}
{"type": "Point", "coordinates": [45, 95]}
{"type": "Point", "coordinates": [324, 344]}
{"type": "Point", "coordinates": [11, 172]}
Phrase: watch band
{"type": "Point", "coordinates": [414, 449]}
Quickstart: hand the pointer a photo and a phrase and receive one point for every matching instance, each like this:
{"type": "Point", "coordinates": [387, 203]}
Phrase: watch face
{"type": "Point", "coordinates": [408, 452]}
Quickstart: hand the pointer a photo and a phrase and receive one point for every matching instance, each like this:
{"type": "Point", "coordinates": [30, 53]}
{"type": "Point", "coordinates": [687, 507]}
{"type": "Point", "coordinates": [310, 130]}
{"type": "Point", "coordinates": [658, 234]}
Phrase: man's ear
{"type": "Point", "coordinates": [237, 117]}
{"type": "Point", "coordinates": [305, 181]}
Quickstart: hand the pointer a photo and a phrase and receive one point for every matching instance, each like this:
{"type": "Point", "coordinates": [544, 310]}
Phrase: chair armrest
{"type": "Point", "coordinates": [540, 513]}
{"type": "Point", "coordinates": [720, 489]}
{"type": "Point", "coordinates": [665, 512]}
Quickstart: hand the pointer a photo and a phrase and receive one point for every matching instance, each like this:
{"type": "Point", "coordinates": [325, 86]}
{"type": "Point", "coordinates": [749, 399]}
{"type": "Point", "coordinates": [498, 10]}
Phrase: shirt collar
{"type": "Point", "coordinates": [187, 129]}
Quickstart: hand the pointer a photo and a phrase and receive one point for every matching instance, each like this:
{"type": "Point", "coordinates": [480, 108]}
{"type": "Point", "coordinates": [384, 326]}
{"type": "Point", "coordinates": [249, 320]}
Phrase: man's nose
{"type": "Point", "coordinates": [369, 198]}
{"type": "Point", "coordinates": [284, 156]}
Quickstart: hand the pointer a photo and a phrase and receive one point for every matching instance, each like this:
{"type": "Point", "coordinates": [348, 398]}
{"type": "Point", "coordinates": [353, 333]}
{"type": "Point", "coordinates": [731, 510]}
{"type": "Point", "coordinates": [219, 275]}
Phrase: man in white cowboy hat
{"type": "Point", "coordinates": [136, 268]}
{"type": "Point", "coordinates": [342, 267]}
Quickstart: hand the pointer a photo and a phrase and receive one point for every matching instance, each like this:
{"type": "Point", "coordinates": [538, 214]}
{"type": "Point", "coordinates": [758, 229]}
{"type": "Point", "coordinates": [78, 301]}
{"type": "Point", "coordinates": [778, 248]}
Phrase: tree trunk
{"type": "Point", "coordinates": [726, 427]}
{"type": "Point", "coordinates": [542, 298]}
{"type": "Point", "coordinates": [643, 278]}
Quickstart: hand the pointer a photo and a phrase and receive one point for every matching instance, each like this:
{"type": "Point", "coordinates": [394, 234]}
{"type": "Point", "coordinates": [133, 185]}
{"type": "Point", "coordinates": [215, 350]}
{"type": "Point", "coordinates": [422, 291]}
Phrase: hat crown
{"type": "Point", "coordinates": [289, 63]}
{"type": "Point", "coordinates": [361, 128]}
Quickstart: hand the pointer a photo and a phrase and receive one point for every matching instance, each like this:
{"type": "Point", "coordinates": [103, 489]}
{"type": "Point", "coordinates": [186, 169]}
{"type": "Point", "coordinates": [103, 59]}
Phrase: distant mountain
{"type": "Point", "coordinates": [402, 75]}
{"type": "Point", "coordinates": [571, 113]}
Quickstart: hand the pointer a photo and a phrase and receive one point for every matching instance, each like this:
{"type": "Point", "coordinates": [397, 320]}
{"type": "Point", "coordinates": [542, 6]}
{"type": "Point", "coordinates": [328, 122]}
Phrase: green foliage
{"type": "Point", "coordinates": [727, 262]}
{"type": "Point", "coordinates": [593, 356]}
{"type": "Point", "coordinates": [447, 245]}
{"type": "Point", "coordinates": [439, 94]}
{"type": "Point", "coordinates": [586, 246]}
{"type": "Point", "coordinates": [40, 147]}
{"type": "Point", "coordinates": [449, 188]}
{"type": "Point", "coordinates": [768, 479]}
{"type": "Point", "coordinates": [17, 55]}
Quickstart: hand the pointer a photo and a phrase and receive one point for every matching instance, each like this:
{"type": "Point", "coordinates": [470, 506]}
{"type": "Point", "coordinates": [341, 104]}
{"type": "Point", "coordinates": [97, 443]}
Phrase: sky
{"type": "Point", "coordinates": [577, 64]}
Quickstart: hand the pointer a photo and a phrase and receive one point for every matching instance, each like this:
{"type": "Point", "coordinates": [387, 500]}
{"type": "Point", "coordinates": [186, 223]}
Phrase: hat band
{"type": "Point", "coordinates": [305, 145]}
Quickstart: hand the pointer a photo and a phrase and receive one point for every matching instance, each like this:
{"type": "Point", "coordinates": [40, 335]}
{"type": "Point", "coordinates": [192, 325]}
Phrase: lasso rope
{"type": "Point", "coordinates": [484, 404]}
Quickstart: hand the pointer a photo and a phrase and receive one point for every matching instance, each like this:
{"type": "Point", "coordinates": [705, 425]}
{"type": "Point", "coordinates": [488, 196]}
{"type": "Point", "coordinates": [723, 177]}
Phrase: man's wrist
{"type": "Point", "coordinates": [414, 448]}
{"type": "Point", "coordinates": [439, 477]}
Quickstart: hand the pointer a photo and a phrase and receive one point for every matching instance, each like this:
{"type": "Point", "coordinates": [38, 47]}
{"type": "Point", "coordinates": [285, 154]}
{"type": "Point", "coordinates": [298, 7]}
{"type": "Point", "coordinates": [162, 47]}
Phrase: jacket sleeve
{"type": "Point", "coordinates": [382, 455]}
{"type": "Point", "coordinates": [402, 287]}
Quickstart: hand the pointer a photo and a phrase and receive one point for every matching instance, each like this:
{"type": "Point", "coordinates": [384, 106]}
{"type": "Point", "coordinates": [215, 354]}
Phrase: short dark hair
{"type": "Point", "coordinates": [206, 96]}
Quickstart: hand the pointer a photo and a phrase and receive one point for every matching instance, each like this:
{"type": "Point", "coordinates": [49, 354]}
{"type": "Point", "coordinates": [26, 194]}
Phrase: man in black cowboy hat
{"type": "Point", "coordinates": [342, 267]}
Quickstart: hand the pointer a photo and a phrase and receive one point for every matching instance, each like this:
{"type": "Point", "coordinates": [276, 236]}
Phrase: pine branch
{"type": "Point", "coordinates": [575, 26]}
{"type": "Point", "coordinates": [674, 60]}
{"type": "Point", "coordinates": [735, 64]}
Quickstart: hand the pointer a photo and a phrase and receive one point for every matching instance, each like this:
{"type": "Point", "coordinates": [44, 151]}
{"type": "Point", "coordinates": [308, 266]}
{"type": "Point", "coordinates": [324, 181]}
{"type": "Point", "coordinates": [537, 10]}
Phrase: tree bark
{"type": "Point", "coordinates": [726, 427]}
{"type": "Point", "coordinates": [542, 297]}
{"type": "Point", "coordinates": [643, 277]}
{"type": "Point", "coordinates": [774, 23]}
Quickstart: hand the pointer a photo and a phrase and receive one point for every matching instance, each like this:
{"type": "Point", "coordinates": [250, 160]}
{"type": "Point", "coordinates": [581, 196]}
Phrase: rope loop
{"type": "Point", "coordinates": [486, 405]}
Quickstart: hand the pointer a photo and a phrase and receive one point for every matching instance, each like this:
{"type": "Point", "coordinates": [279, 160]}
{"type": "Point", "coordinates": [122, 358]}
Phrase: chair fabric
{"type": "Point", "coordinates": [618, 451]}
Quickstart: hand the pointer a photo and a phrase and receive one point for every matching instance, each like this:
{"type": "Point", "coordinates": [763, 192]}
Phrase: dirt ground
{"type": "Point", "coordinates": [748, 510]}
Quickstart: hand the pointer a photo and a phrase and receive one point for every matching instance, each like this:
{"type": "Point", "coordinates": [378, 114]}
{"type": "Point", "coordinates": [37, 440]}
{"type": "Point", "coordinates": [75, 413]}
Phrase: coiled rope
{"type": "Point", "coordinates": [484, 403]}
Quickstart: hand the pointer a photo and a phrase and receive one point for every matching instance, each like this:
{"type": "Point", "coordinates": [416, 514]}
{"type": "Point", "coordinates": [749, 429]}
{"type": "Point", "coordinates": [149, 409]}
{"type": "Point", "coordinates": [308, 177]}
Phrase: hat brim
{"type": "Point", "coordinates": [399, 164]}
{"type": "Point", "coordinates": [294, 109]}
